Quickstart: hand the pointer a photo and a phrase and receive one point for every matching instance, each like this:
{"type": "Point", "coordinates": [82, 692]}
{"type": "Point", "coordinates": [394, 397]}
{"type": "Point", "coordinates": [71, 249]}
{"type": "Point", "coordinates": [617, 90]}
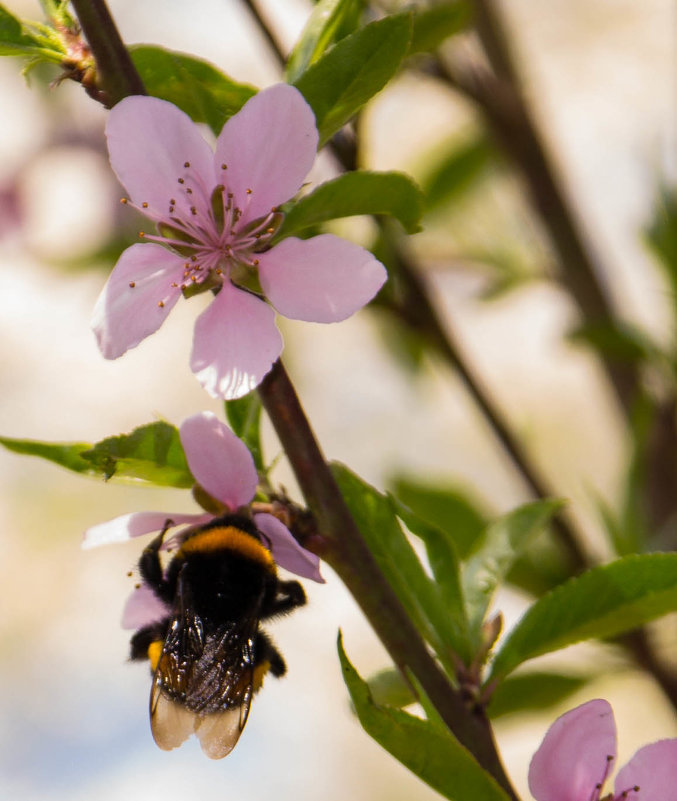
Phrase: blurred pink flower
{"type": "Point", "coordinates": [223, 466]}
{"type": "Point", "coordinates": [576, 757]}
{"type": "Point", "coordinates": [216, 214]}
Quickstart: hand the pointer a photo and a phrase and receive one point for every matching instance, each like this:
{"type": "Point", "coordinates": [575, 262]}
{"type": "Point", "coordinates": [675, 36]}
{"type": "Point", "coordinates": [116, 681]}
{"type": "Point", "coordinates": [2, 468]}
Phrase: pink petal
{"type": "Point", "coordinates": [149, 142]}
{"type": "Point", "coordinates": [269, 147]}
{"type": "Point", "coordinates": [287, 553]}
{"type": "Point", "coordinates": [322, 280]}
{"type": "Point", "coordinates": [572, 758]}
{"type": "Point", "coordinates": [123, 528]}
{"type": "Point", "coordinates": [220, 462]}
{"type": "Point", "coordinates": [143, 607]}
{"type": "Point", "coordinates": [654, 770]}
{"type": "Point", "coordinates": [125, 315]}
{"type": "Point", "coordinates": [235, 344]}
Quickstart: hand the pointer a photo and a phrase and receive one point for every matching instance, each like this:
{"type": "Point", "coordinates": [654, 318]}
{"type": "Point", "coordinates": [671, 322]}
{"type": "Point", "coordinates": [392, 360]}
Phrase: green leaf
{"type": "Point", "coordinates": [441, 626]}
{"type": "Point", "coordinates": [603, 602]}
{"type": "Point", "coordinates": [354, 70]}
{"type": "Point", "coordinates": [435, 24]}
{"type": "Point", "coordinates": [66, 454]}
{"type": "Point", "coordinates": [449, 509]}
{"type": "Point", "coordinates": [11, 31]}
{"type": "Point", "coordinates": [430, 751]}
{"type": "Point", "coordinates": [362, 192]}
{"type": "Point", "coordinates": [388, 688]}
{"type": "Point", "coordinates": [542, 567]}
{"type": "Point", "coordinates": [197, 87]}
{"type": "Point", "coordinates": [318, 33]}
{"type": "Point", "coordinates": [152, 453]}
{"type": "Point", "coordinates": [629, 529]}
{"type": "Point", "coordinates": [624, 344]}
{"type": "Point", "coordinates": [661, 235]}
{"type": "Point", "coordinates": [244, 416]}
{"type": "Point", "coordinates": [505, 540]}
{"type": "Point", "coordinates": [442, 557]}
{"type": "Point", "coordinates": [458, 171]}
{"type": "Point", "coordinates": [18, 38]}
{"type": "Point", "coordinates": [406, 345]}
{"type": "Point", "coordinates": [532, 691]}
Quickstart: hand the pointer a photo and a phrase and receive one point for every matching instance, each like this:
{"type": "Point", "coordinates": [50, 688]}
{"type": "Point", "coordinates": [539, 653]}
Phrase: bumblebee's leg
{"type": "Point", "coordinates": [268, 657]}
{"type": "Point", "coordinates": [151, 570]}
{"type": "Point", "coordinates": [143, 639]}
{"type": "Point", "coordinates": [289, 595]}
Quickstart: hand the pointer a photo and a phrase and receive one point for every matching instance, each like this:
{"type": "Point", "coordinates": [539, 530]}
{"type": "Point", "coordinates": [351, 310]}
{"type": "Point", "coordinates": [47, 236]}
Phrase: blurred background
{"type": "Point", "coordinates": [73, 714]}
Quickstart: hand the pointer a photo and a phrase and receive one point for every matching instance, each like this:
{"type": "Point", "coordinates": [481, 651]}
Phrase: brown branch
{"type": "Point", "coordinates": [117, 75]}
{"type": "Point", "coordinates": [510, 121]}
{"type": "Point", "coordinates": [344, 548]}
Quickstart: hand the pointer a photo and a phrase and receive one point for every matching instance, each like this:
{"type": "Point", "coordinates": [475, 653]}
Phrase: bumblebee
{"type": "Point", "coordinates": [208, 656]}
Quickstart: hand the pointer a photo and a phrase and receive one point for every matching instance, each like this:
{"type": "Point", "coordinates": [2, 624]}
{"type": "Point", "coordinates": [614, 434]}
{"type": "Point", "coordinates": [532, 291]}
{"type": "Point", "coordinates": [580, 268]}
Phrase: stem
{"type": "Point", "coordinates": [421, 315]}
{"type": "Point", "coordinates": [507, 113]}
{"type": "Point", "coordinates": [346, 551]}
{"type": "Point", "coordinates": [266, 31]}
{"type": "Point", "coordinates": [117, 74]}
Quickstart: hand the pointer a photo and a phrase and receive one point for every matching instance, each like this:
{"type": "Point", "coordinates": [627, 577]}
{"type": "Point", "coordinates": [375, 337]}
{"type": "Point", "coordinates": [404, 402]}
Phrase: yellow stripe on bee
{"type": "Point", "coordinates": [228, 538]}
{"type": "Point", "coordinates": [154, 653]}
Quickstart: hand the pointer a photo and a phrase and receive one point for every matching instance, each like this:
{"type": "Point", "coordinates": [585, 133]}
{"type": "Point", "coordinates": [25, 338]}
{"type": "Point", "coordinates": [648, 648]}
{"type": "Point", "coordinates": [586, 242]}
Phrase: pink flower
{"type": "Point", "coordinates": [577, 754]}
{"type": "Point", "coordinates": [216, 214]}
{"type": "Point", "coordinates": [223, 466]}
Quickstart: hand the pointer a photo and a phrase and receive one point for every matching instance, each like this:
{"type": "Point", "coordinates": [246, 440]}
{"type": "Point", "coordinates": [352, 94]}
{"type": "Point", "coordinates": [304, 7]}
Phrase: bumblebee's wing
{"type": "Point", "coordinates": [203, 680]}
{"type": "Point", "coordinates": [218, 732]}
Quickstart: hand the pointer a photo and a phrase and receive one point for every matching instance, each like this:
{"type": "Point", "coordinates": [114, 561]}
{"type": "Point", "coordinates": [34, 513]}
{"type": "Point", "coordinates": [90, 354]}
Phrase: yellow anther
{"type": "Point", "coordinates": [132, 284]}
{"type": "Point", "coordinates": [144, 205]}
{"type": "Point", "coordinates": [161, 304]}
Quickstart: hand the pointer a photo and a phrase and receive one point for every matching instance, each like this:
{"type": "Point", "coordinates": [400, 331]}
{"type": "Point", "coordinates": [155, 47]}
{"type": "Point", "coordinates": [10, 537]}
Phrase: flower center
{"type": "Point", "coordinates": [209, 228]}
